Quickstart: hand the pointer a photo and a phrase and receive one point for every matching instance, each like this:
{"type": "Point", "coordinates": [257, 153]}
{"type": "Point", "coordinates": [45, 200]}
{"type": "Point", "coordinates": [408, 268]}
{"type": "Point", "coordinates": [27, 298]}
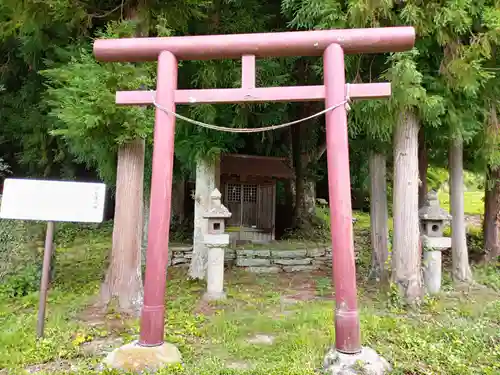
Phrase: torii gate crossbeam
{"type": "Point", "coordinates": [332, 44]}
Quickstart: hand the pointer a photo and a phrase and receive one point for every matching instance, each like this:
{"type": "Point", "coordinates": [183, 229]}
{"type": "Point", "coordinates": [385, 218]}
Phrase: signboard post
{"type": "Point", "coordinates": [51, 201]}
{"type": "Point", "coordinates": [44, 283]}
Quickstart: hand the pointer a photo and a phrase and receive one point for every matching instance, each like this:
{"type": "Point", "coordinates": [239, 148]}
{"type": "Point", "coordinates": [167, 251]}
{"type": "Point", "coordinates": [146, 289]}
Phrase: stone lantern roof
{"type": "Point", "coordinates": [432, 210]}
{"type": "Point", "coordinates": [216, 209]}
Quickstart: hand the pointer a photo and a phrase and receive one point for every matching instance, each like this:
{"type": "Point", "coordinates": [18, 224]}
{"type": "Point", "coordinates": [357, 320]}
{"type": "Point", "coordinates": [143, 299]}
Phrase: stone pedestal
{"type": "Point", "coordinates": [366, 362]}
{"type": "Point", "coordinates": [139, 359]}
{"type": "Point", "coordinates": [432, 262]}
{"type": "Point", "coordinates": [432, 271]}
{"type": "Point", "coordinates": [215, 266]}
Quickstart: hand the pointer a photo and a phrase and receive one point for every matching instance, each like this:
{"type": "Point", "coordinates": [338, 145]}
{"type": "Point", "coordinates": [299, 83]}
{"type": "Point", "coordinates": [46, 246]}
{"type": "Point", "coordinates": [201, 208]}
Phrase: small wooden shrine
{"type": "Point", "coordinates": [248, 186]}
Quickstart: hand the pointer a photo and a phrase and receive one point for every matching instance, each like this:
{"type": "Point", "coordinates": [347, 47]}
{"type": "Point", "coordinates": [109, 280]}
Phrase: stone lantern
{"type": "Point", "coordinates": [216, 241]}
{"type": "Point", "coordinates": [432, 222]}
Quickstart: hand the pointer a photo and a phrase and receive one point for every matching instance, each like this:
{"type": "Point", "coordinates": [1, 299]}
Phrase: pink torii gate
{"type": "Point", "coordinates": [332, 44]}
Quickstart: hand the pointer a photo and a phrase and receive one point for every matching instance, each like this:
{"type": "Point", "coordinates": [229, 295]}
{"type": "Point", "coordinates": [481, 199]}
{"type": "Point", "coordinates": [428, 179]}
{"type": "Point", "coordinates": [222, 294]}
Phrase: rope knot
{"type": "Point", "coordinates": [347, 98]}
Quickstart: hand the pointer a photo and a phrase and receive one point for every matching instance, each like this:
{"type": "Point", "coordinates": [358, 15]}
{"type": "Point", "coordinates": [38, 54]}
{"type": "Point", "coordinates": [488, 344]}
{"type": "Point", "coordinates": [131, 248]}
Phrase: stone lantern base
{"type": "Point", "coordinates": [366, 362]}
{"type": "Point", "coordinates": [135, 358]}
{"type": "Point", "coordinates": [214, 296]}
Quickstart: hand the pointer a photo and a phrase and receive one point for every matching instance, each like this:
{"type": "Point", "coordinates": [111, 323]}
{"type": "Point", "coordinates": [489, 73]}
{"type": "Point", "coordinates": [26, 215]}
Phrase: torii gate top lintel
{"type": "Point", "coordinates": [291, 43]}
{"type": "Point", "coordinates": [248, 47]}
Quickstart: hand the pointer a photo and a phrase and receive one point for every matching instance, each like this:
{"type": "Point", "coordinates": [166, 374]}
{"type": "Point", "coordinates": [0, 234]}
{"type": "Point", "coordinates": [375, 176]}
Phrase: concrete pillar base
{"type": "Point", "coordinates": [365, 362]}
{"type": "Point", "coordinates": [135, 358]}
{"type": "Point", "coordinates": [214, 296]}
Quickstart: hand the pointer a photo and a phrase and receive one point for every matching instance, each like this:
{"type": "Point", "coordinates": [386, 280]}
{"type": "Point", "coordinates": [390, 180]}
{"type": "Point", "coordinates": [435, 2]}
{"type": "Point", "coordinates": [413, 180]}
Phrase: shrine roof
{"type": "Point", "coordinates": [432, 210]}
{"type": "Point", "coordinates": [254, 165]}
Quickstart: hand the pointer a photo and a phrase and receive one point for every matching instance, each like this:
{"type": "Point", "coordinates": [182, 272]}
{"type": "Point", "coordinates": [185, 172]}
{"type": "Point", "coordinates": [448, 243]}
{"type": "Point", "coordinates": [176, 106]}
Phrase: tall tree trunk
{"type": "Point", "coordinates": [491, 223]}
{"type": "Point", "coordinates": [309, 199]}
{"type": "Point", "coordinates": [450, 191]}
{"type": "Point", "coordinates": [423, 164]}
{"type": "Point", "coordinates": [378, 217]}
{"type": "Point", "coordinates": [133, 12]}
{"type": "Point", "coordinates": [461, 271]}
{"type": "Point", "coordinates": [300, 217]}
{"type": "Point", "coordinates": [406, 260]}
{"type": "Point", "coordinates": [290, 193]}
{"type": "Point", "coordinates": [123, 282]}
{"type": "Point", "coordinates": [305, 186]}
{"type": "Point", "coordinates": [145, 226]}
{"type": "Point", "coordinates": [205, 184]}
{"type": "Point", "coordinates": [178, 197]}
{"type": "Point", "coordinates": [290, 184]}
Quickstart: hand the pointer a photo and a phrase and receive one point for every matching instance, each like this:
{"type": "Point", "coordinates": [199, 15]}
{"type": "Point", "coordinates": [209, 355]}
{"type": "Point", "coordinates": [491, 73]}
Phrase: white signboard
{"type": "Point", "coordinates": [43, 200]}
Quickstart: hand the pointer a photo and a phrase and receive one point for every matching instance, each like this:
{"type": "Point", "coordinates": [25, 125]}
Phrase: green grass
{"type": "Point", "coordinates": [473, 205]}
{"type": "Point", "coordinates": [456, 333]}
{"type": "Point", "coordinates": [473, 202]}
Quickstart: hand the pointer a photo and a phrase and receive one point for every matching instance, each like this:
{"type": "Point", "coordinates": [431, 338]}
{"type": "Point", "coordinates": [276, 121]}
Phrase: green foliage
{"type": "Point", "coordinates": [436, 178]}
{"type": "Point", "coordinates": [473, 181]}
{"type": "Point", "coordinates": [82, 95]}
{"type": "Point", "coordinates": [24, 281]}
{"type": "Point", "coordinates": [446, 78]}
{"type": "Point", "coordinates": [4, 168]}
{"type": "Point", "coordinates": [317, 230]}
{"type": "Point", "coordinates": [21, 249]}
{"type": "Point", "coordinates": [489, 275]}
{"type": "Point", "coordinates": [475, 243]}
{"type": "Point", "coordinates": [312, 14]}
{"type": "Point", "coordinates": [32, 32]}
{"type": "Point", "coordinates": [55, 35]}
{"type": "Point", "coordinates": [448, 69]}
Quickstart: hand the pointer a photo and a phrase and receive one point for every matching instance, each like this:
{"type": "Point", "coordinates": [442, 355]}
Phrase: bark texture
{"type": "Point", "coordinates": [145, 226]}
{"type": "Point", "coordinates": [304, 194]}
{"type": "Point", "coordinates": [300, 218]}
{"type": "Point", "coordinates": [309, 200]}
{"type": "Point", "coordinates": [406, 256]}
{"type": "Point", "coordinates": [378, 217]}
{"type": "Point", "coordinates": [305, 153]}
{"type": "Point", "coordinates": [305, 189]}
{"type": "Point", "coordinates": [123, 282]}
{"type": "Point", "coordinates": [178, 197]}
{"type": "Point", "coordinates": [491, 224]}
{"type": "Point", "coordinates": [461, 271]}
{"type": "Point", "coordinates": [423, 165]}
{"type": "Point", "coordinates": [206, 182]}
{"type": "Point", "coordinates": [290, 183]}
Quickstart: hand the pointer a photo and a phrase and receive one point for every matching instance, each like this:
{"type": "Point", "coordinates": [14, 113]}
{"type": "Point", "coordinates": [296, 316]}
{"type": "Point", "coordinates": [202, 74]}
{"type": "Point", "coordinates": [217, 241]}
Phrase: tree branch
{"type": "Point", "coordinates": [103, 15]}
{"type": "Point", "coordinates": [321, 151]}
{"type": "Point", "coordinates": [315, 156]}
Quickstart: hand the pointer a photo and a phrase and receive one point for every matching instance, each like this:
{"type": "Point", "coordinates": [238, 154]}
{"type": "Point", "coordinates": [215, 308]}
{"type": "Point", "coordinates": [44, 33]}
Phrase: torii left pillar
{"type": "Point", "coordinates": [332, 44]}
